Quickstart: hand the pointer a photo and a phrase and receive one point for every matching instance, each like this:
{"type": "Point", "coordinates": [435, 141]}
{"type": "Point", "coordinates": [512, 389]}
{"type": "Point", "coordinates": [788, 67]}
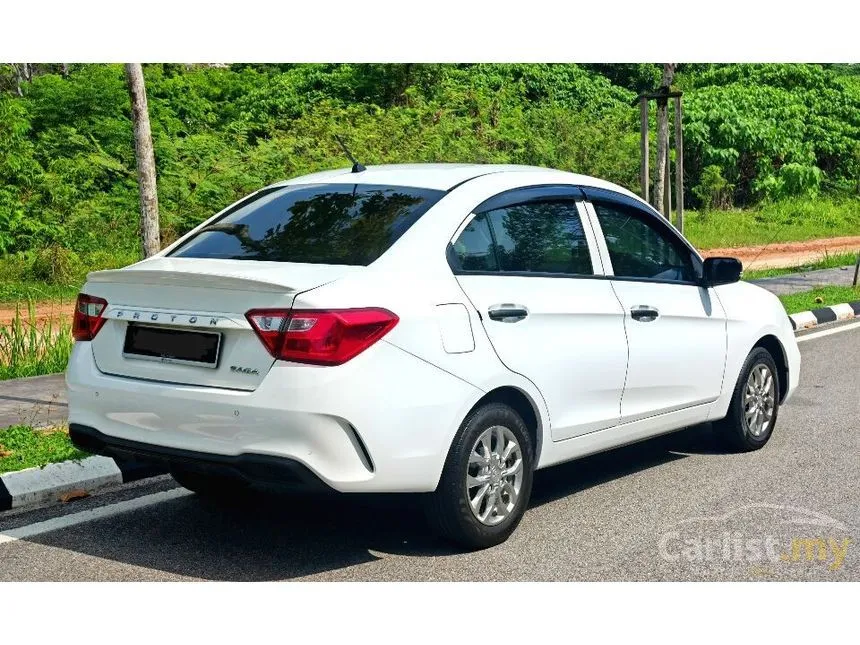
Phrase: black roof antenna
{"type": "Point", "coordinates": [356, 167]}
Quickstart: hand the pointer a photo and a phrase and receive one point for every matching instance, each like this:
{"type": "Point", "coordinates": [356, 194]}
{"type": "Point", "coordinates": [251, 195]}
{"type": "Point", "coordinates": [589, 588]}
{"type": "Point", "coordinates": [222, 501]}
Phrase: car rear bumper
{"type": "Point", "coordinates": [378, 425]}
{"type": "Point", "coordinates": [261, 470]}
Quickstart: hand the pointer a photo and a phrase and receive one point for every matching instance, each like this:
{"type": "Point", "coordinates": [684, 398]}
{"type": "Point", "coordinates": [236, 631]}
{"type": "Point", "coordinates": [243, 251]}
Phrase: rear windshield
{"type": "Point", "coordinates": [316, 223]}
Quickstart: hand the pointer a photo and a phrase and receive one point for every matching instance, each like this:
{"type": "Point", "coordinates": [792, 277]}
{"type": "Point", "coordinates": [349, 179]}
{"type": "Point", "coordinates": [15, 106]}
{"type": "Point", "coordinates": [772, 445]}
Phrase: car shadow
{"type": "Point", "coordinates": [282, 537]}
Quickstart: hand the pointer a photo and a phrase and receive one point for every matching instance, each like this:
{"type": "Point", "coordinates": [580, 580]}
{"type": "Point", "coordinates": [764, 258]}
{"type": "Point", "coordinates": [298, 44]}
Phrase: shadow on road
{"type": "Point", "coordinates": [279, 538]}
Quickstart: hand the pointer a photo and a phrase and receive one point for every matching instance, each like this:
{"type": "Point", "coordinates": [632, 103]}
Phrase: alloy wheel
{"type": "Point", "coordinates": [759, 400]}
{"type": "Point", "coordinates": [494, 475]}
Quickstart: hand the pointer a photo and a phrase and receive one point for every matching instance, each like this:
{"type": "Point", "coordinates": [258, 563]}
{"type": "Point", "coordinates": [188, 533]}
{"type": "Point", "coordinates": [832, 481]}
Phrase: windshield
{"type": "Point", "coordinates": [316, 223]}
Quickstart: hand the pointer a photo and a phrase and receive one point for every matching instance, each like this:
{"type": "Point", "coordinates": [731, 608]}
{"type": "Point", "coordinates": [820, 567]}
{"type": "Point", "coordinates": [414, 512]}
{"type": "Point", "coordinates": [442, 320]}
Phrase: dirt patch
{"type": "Point", "coordinates": [46, 311]}
{"type": "Point", "coordinates": [788, 254]}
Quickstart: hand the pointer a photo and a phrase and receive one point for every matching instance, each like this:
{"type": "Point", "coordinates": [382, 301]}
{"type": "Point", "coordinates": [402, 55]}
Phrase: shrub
{"type": "Point", "coordinates": [57, 265]}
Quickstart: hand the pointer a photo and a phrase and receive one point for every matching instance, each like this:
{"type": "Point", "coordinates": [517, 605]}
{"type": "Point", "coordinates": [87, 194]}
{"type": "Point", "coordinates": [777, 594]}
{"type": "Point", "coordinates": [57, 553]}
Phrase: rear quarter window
{"type": "Point", "coordinates": [318, 224]}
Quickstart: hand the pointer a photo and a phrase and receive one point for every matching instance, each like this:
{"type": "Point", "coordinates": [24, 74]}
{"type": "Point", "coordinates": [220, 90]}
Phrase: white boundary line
{"type": "Point", "coordinates": [101, 512]}
{"type": "Point", "coordinates": [828, 332]}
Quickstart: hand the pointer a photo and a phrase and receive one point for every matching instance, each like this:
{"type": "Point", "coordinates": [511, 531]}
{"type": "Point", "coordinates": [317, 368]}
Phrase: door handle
{"type": "Point", "coordinates": [644, 313]}
{"type": "Point", "coordinates": [508, 313]}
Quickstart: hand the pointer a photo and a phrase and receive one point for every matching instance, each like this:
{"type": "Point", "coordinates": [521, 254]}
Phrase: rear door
{"type": "Point", "coordinates": [676, 329]}
{"type": "Point", "coordinates": [527, 261]}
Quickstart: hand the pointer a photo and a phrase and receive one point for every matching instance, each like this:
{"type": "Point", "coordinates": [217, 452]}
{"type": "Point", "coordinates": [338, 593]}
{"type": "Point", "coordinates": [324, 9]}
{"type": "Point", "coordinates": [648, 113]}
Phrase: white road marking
{"type": "Point", "coordinates": [827, 332]}
{"type": "Point", "coordinates": [99, 513]}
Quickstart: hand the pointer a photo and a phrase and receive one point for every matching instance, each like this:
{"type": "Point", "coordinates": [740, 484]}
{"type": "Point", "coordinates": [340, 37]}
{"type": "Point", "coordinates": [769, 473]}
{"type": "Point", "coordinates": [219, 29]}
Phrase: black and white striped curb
{"type": "Point", "coordinates": [55, 482]}
{"type": "Point", "coordinates": [834, 313]}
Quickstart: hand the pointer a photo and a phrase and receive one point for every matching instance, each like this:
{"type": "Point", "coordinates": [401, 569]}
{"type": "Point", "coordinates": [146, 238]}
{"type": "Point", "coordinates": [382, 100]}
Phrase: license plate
{"type": "Point", "coordinates": [167, 345]}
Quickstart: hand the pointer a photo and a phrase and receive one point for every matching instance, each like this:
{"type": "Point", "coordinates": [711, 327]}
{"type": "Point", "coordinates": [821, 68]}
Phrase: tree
{"type": "Point", "coordinates": [149, 234]}
{"type": "Point", "coordinates": [663, 136]}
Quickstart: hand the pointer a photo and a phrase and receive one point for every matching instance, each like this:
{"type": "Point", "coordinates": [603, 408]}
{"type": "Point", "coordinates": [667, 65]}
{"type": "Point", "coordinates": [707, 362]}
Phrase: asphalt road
{"type": "Point", "coordinates": [675, 507]}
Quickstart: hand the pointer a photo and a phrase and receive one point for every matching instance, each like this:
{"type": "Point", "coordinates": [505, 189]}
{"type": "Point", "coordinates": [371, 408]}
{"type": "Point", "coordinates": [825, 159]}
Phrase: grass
{"type": "Point", "coordinates": [31, 348]}
{"type": "Point", "coordinates": [820, 297]}
{"type": "Point", "coordinates": [53, 275]}
{"type": "Point", "coordinates": [786, 221]}
{"type": "Point", "coordinates": [24, 291]}
{"type": "Point", "coordinates": [828, 262]}
{"type": "Point", "coordinates": [27, 447]}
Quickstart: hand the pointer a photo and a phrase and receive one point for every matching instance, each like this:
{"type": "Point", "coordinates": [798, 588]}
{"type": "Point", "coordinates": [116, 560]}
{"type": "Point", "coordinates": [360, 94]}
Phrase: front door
{"type": "Point", "coordinates": [533, 272]}
{"type": "Point", "coordinates": [676, 329]}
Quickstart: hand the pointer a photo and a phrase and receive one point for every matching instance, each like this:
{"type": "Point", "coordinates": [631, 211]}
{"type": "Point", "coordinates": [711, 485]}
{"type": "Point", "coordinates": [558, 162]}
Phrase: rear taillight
{"type": "Point", "coordinates": [320, 337]}
{"type": "Point", "coordinates": [88, 317]}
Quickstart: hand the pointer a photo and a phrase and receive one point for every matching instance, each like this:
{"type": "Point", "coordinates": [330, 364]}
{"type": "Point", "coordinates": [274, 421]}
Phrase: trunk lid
{"type": "Point", "coordinates": [197, 296]}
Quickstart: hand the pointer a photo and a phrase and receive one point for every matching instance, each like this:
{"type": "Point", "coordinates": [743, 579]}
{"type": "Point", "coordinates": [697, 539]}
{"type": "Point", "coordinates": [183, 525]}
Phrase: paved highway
{"type": "Point", "coordinates": [673, 508]}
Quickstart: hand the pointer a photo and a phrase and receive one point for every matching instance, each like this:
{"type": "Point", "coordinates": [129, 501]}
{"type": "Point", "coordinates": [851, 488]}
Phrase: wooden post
{"type": "Point", "coordinates": [679, 165]}
{"type": "Point", "coordinates": [857, 268]}
{"type": "Point", "coordinates": [667, 187]}
{"type": "Point", "coordinates": [149, 231]}
{"type": "Point", "coordinates": [644, 171]}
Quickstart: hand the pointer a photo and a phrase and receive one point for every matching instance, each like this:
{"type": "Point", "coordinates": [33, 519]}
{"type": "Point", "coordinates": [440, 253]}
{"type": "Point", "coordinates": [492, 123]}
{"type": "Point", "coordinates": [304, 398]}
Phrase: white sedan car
{"type": "Point", "coordinates": [439, 329]}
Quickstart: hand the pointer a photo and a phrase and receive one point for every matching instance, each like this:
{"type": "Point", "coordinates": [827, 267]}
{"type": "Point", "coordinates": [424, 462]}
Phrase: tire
{"type": "Point", "coordinates": [214, 487]}
{"type": "Point", "coordinates": [736, 429]}
{"type": "Point", "coordinates": [449, 508]}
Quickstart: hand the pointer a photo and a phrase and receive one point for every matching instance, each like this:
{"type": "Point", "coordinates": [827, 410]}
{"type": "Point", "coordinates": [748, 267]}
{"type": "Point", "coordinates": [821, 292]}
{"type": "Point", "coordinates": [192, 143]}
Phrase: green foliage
{"type": "Point", "coordinates": [773, 130]}
{"type": "Point", "coordinates": [713, 190]}
{"type": "Point", "coordinates": [56, 265]}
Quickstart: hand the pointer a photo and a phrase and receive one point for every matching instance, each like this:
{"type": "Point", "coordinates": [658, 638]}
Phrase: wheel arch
{"type": "Point", "coordinates": [524, 405]}
{"type": "Point", "coordinates": [774, 347]}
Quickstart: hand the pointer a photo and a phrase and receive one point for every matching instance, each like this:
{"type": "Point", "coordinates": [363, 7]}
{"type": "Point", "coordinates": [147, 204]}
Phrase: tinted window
{"type": "Point", "coordinates": [320, 223]}
{"type": "Point", "coordinates": [542, 237]}
{"type": "Point", "coordinates": [639, 247]}
{"type": "Point", "coordinates": [473, 249]}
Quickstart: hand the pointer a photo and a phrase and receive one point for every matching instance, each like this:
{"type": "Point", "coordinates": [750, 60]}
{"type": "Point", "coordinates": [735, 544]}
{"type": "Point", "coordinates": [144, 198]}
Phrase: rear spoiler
{"type": "Point", "coordinates": [164, 278]}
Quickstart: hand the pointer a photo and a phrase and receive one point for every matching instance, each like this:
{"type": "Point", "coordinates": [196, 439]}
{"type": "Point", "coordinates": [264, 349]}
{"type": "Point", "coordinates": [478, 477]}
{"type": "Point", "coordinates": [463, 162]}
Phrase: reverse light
{"type": "Point", "coordinates": [88, 316]}
{"type": "Point", "coordinates": [320, 337]}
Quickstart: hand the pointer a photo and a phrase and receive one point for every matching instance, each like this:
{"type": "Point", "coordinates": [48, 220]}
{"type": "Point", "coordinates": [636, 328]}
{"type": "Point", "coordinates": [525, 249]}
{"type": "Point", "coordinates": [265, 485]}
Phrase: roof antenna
{"type": "Point", "coordinates": [356, 167]}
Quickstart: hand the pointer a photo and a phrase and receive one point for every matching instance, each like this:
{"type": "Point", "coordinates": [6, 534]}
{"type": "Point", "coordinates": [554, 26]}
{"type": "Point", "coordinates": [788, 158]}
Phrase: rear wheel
{"type": "Point", "coordinates": [755, 403]}
{"type": "Point", "coordinates": [487, 479]}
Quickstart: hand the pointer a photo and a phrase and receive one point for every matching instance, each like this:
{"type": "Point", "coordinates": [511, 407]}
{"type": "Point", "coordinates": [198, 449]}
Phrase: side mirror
{"type": "Point", "coordinates": [717, 271]}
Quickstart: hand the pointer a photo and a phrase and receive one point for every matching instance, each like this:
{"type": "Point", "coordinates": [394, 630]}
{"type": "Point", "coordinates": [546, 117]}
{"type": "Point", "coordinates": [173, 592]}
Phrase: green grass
{"type": "Point", "coordinates": [820, 297]}
{"type": "Point", "coordinates": [27, 447]}
{"type": "Point", "coordinates": [828, 262]}
{"type": "Point", "coordinates": [52, 275]}
{"type": "Point", "coordinates": [786, 221]}
{"type": "Point", "coordinates": [23, 291]}
{"type": "Point", "coordinates": [28, 348]}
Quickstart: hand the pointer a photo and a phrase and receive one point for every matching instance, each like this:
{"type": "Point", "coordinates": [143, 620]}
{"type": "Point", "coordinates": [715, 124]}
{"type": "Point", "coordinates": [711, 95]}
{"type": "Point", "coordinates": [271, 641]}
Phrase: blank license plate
{"type": "Point", "coordinates": [172, 345]}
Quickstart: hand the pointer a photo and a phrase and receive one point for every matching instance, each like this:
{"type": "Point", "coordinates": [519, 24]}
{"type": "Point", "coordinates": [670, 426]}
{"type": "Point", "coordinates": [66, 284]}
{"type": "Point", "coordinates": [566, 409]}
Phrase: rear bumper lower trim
{"type": "Point", "coordinates": [265, 471]}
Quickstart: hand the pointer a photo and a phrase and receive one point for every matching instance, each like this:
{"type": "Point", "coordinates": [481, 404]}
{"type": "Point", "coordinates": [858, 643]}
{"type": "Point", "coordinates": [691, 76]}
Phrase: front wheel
{"type": "Point", "coordinates": [755, 403]}
{"type": "Point", "coordinates": [487, 479]}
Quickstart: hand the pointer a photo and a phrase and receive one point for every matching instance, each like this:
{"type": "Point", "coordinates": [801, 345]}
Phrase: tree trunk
{"type": "Point", "coordinates": [663, 137]}
{"type": "Point", "coordinates": [149, 235]}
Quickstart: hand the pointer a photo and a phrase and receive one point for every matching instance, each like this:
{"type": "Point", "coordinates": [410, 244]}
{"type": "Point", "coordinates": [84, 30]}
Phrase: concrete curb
{"type": "Point", "coordinates": [833, 313]}
{"type": "Point", "coordinates": [66, 480]}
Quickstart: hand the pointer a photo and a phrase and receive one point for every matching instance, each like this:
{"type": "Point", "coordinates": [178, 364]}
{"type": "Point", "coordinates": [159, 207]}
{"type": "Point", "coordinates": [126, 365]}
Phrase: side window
{"type": "Point", "coordinates": [541, 237]}
{"type": "Point", "coordinates": [639, 248]}
{"type": "Point", "coordinates": [473, 249]}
